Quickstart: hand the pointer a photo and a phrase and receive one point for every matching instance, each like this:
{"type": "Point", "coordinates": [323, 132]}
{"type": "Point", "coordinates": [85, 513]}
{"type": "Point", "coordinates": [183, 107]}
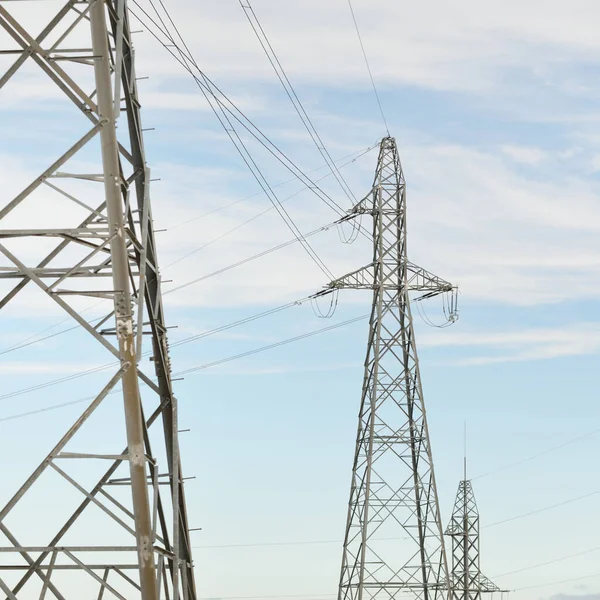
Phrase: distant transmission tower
{"type": "Point", "coordinates": [466, 580]}
{"type": "Point", "coordinates": [394, 541]}
{"type": "Point", "coordinates": [104, 514]}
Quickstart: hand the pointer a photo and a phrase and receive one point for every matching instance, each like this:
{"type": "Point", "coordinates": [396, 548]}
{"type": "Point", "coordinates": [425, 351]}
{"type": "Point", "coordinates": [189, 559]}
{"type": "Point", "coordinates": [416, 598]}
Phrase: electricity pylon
{"type": "Point", "coordinates": [112, 531]}
{"type": "Point", "coordinates": [394, 541]}
{"type": "Point", "coordinates": [466, 580]}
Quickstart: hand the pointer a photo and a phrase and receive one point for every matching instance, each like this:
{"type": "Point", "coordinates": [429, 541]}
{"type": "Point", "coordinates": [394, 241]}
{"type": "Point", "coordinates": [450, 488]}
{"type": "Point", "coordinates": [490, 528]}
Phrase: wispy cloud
{"type": "Point", "coordinates": [575, 597]}
{"type": "Point", "coordinates": [517, 346]}
{"type": "Point", "coordinates": [285, 369]}
{"type": "Point", "coordinates": [524, 154]}
{"type": "Point", "coordinates": [42, 368]}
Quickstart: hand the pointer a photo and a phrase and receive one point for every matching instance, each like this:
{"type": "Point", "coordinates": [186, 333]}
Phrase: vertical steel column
{"type": "Point", "coordinates": [466, 583]}
{"type": "Point", "coordinates": [123, 303]}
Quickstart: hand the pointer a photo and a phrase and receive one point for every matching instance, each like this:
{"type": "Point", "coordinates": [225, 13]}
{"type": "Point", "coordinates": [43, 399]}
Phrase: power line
{"type": "Point", "coordinates": [223, 117]}
{"type": "Point", "coordinates": [293, 96]}
{"type": "Point", "coordinates": [39, 411]}
{"type": "Point", "coordinates": [180, 342]}
{"type": "Point", "coordinates": [364, 53]}
{"type": "Point", "coordinates": [226, 105]}
{"type": "Point", "coordinates": [284, 342]}
{"type": "Point", "coordinates": [323, 542]}
{"type": "Point", "coordinates": [521, 516]}
{"type": "Point", "coordinates": [260, 315]}
{"type": "Point", "coordinates": [266, 544]}
{"type": "Point", "coordinates": [269, 597]}
{"type": "Point", "coordinates": [544, 509]}
{"type": "Point", "coordinates": [243, 321]}
{"type": "Point", "coordinates": [31, 340]}
{"type": "Point", "coordinates": [245, 260]}
{"type": "Point", "coordinates": [360, 153]}
{"type": "Point", "coordinates": [275, 151]}
{"type": "Point", "coordinates": [187, 284]}
{"type": "Point", "coordinates": [528, 568]}
{"type": "Point", "coordinates": [253, 218]}
{"type": "Point", "coordinates": [47, 384]}
{"type": "Point", "coordinates": [272, 346]}
{"type": "Point", "coordinates": [193, 369]}
{"type": "Point", "coordinates": [549, 562]}
{"type": "Point", "coordinates": [542, 453]}
{"type": "Point", "coordinates": [531, 587]}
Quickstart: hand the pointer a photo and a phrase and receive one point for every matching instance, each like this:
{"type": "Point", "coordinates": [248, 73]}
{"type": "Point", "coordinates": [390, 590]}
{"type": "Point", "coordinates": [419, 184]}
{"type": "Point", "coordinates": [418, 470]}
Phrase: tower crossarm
{"type": "Point", "coordinates": [416, 279]}
{"type": "Point", "coordinates": [485, 585]}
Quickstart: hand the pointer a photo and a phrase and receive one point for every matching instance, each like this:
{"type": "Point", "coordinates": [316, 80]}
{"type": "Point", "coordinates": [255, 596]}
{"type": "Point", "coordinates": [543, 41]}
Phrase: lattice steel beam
{"type": "Point", "coordinates": [466, 579]}
{"type": "Point", "coordinates": [105, 249]}
{"type": "Point", "coordinates": [394, 544]}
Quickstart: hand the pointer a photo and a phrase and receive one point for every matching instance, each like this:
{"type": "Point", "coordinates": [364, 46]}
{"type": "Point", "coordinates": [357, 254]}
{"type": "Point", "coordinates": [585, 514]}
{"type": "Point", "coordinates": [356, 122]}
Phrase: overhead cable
{"type": "Point", "coordinates": [35, 339]}
{"type": "Point", "coordinates": [531, 587]}
{"type": "Point", "coordinates": [186, 371]}
{"type": "Point", "coordinates": [226, 105]}
{"type": "Point", "coordinates": [271, 597]}
{"type": "Point", "coordinates": [47, 384]}
{"type": "Point", "coordinates": [31, 340]}
{"type": "Point", "coordinates": [543, 509]}
{"type": "Point", "coordinates": [50, 408]}
{"type": "Point", "coordinates": [293, 96]}
{"type": "Point", "coordinates": [244, 260]}
{"type": "Point", "coordinates": [538, 454]}
{"type": "Point", "coordinates": [243, 321]}
{"type": "Point", "coordinates": [224, 119]}
{"type": "Point", "coordinates": [99, 368]}
{"type": "Point", "coordinates": [364, 53]}
{"type": "Point", "coordinates": [360, 154]}
{"type": "Point", "coordinates": [549, 562]}
{"type": "Point", "coordinates": [503, 521]}
{"type": "Point", "coordinates": [272, 346]}
{"type": "Point", "coordinates": [260, 214]}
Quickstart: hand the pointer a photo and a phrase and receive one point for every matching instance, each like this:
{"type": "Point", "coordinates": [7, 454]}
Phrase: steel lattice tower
{"type": "Point", "coordinates": [467, 582]}
{"type": "Point", "coordinates": [125, 533]}
{"type": "Point", "coordinates": [394, 542]}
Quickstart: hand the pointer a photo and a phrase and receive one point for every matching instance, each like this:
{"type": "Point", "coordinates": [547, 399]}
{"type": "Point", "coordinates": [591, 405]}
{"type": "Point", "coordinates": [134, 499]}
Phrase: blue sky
{"type": "Point", "coordinates": [494, 107]}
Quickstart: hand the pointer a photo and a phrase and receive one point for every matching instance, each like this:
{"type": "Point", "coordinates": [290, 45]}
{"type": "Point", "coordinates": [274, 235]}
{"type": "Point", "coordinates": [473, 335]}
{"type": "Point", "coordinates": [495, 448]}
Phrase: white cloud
{"type": "Point", "coordinates": [42, 368]}
{"type": "Point", "coordinates": [473, 219]}
{"type": "Point", "coordinates": [221, 371]}
{"type": "Point", "coordinates": [525, 155]}
{"type": "Point", "coordinates": [515, 346]}
{"type": "Point", "coordinates": [466, 45]}
{"type": "Point", "coordinates": [575, 597]}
